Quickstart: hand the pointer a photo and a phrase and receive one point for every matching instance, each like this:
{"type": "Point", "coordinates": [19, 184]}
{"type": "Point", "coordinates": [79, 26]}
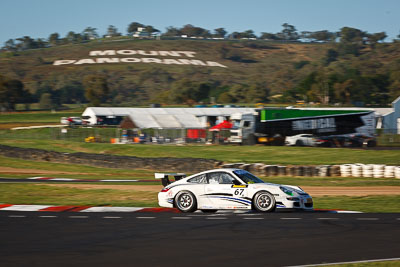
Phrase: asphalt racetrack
{"type": "Point", "coordinates": [197, 239]}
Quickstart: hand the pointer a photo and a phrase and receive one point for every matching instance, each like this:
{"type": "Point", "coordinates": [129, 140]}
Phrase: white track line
{"type": "Point", "coordinates": [112, 217]}
{"type": "Point", "coordinates": [78, 217]}
{"type": "Point", "coordinates": [367, 219]}
{"type": "Point", "coordinates": [345, 262]}
{"type": "Point", "coordinates": [252, 218]}
{"type": "Point", "coordinates": [26, 207]}
{"type": "Point", "coordinates": [290, 218]}
{"type": "Point", "coordinates": [111, 209]}
{"type": "Point", "coordinates": [16, 216]}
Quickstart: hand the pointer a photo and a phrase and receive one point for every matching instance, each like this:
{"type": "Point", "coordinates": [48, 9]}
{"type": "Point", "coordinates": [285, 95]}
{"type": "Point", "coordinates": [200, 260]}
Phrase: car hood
{"type": "Point", "coordinates": [293, 188]}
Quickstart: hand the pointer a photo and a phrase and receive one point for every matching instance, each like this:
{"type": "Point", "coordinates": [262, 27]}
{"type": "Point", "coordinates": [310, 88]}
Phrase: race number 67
{"type": "Point", "coordinates": [239, 192]}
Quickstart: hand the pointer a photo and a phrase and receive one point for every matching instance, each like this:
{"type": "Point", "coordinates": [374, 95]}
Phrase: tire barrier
{"type": "Point", "coordinates": [367, 170]}
{"type": "Point", "coordinates": [378, 170]}
{"type": "Point", "coordinates": [389, 172]}
{"type": "Point", "coordinates": [344, 170]}
{"type": "Point", "coordinates": [397, 172]}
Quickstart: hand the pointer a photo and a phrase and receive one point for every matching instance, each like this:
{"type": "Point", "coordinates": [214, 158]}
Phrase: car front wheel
{"type": "Point", "coordinates": [264, 202]}
{"type": "Point", "coordinates": [185, 201]}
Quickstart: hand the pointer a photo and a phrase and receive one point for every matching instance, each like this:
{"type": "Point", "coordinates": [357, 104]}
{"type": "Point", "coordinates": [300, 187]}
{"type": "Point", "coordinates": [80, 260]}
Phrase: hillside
{"type": "Point", "coordinates": [243, 71]}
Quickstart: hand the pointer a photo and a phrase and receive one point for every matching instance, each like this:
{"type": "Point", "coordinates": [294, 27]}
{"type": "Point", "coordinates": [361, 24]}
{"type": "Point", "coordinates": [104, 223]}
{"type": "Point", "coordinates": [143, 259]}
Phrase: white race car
{"type": "Point", "coordinates": [217, 189]}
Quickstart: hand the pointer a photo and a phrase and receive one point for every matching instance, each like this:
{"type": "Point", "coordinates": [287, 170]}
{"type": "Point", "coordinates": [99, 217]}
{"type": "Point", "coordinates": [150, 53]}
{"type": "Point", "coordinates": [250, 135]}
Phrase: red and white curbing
{"type": "Point", "coordinates": [49, 208]}
{"type": "Point", "coordinates": [11, 207]}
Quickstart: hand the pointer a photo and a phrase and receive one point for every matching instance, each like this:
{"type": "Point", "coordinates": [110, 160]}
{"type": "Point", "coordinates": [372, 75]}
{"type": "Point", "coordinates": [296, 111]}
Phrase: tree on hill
{"type": "Point", "coordinates": [96, 89]}
{"type": "Point", "coordinates": [268, 36]}
{"type": "Point", "coordinates": [323, 36]}
{"type": "Point", "coordinates": [289, 33]}
{"type": "Point", "coordinates": [193, 31]}
{"type": "Point", "coordinates": [45, 101]}
{"type": "Point", "coordinates": [89, 33]}
{"type": "Point", "coordinates": [220, 33]}
{"type": "Point", "coordinates": [10, 45]}
{"type": "Point", "coordinates": [245, 34]}
{"type": "Point", "coordinates": [374, 38]}
{"type": "Point", "coordinates": [351, 35]}
{"type": "Point", "coordinates": [54, 39]}
{"type": "Point", "coordinates": [112, 31]}
{"type": "Point", "coordinates": [73, 37]}
{"type": "Point", "coordinates": [12, 92]}
{"type": "Point", "coordinates": [133, 27]}
{"type": "Point", "coordinates": [172, 32]}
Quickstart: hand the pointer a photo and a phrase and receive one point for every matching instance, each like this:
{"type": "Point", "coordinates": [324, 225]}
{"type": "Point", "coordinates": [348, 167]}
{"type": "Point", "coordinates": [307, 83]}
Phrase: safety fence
{"type": "Point", "coordinates": [108, 134]}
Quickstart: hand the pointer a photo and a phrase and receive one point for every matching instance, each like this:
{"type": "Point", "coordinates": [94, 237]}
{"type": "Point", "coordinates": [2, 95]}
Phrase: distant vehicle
{"type": "Point", "coordinates": [71, 120]}
{"type": "Point", "coordinates": [340, 141]}
{"type": "Point", "coordinates": [301, 140]}
{"type": "Point", "coordinates": [368, 141]}
{"type": "Point", "coordinates": [217, 189]}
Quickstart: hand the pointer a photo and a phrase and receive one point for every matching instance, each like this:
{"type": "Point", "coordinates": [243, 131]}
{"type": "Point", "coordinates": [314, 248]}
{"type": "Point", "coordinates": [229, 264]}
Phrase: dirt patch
{"type": "Point", "coordinates": [316, 191]}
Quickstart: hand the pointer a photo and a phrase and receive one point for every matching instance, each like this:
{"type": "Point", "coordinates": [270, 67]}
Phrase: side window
{"type": "Point", "coordinates": [246, 124]}
{"type": "Point", "coordinates": [220, 178]}
{"type": "Point", "coordinates": [199, 179]}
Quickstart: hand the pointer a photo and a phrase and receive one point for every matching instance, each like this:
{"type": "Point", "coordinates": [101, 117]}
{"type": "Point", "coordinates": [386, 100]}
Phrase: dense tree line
{"type": "Point", "coordinates": [289, 33]}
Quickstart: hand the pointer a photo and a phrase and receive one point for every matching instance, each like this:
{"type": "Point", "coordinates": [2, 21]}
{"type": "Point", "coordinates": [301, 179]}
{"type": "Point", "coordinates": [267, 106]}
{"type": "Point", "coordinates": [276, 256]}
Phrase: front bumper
{"type": "Point", "coordinates": [305, 203]}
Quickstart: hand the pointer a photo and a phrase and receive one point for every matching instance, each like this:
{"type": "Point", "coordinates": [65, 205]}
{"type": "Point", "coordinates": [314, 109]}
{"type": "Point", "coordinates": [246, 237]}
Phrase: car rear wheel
{"type": "Point", "coordinates": [264, 201]}
{"type": "Point", "coordinates": [299, 143]}
{"type": "Point", "coordinates": [185, 201]}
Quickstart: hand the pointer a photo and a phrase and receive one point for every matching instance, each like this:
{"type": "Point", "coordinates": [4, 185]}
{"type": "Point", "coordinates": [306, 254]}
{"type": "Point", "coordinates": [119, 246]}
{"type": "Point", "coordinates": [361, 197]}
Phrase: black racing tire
{"type": "Point", "coordinates": [209, 211]}
{"type": "Point", "coordinates": [299, 143]}
{"type": "Point", "coordinates": [371, 143]}
{"type": "Point", "coordinates": [264, 201]}
{"type": "Point", "coordinates": [185, 201]}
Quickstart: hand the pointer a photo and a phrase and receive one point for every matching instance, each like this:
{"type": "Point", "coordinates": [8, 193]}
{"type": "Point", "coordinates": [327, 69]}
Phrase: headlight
{"type": "Point", "coordinates": [286, 191]}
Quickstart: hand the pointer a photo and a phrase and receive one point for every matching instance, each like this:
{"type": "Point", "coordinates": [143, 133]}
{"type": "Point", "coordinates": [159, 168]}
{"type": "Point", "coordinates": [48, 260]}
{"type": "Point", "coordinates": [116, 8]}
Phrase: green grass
{"type": "Point", "coordinates": [52, 195]}
{"type": "Point", "coordinates": [35, 117]}
{"type": "Point", "coordinates": [365, 204]}
{"type": "Point", "coordinates": [49, 169]}
{"type": "Point", "coordinates": [70, 170]}
{"type": "Point", "coordinates": [227, 153]}
{"type": "Point", "coordinates": [49, 195]}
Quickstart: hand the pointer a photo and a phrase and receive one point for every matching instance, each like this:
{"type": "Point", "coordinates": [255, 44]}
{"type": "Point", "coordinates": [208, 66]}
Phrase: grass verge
{"type": "Point", "coordinates": [389, 204]}
{"type": "Point", "coordinates": [48, 195]}
{"type": "Point", "coordinates": [57, 195]}
{"type": "Point", "coordinates": [228, 153]}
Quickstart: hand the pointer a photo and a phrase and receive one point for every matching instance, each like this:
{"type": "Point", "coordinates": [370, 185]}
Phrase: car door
{"type": "Point", "coordinates": [223, 192]}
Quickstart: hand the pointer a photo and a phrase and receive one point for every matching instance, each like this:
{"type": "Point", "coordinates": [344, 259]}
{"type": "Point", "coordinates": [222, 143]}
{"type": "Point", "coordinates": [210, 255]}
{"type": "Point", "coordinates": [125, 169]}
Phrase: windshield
{"type": "Point", "coordinates": [247, 177]}
{"type": "Point", "coordinates": [236, 124]}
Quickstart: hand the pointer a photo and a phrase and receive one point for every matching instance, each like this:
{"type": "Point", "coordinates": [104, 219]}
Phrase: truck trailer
{"type": "Point", "coordinates": [272, 125]}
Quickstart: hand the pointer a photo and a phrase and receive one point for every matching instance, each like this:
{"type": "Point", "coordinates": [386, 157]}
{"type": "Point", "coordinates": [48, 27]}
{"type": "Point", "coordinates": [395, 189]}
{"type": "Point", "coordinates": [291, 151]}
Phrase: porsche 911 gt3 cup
{"type": "Point", "coordinates": [229, 189]}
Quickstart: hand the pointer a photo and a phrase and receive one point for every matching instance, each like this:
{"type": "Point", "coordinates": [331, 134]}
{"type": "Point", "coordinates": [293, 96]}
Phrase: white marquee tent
{"type": "Point", "coordinates": [162, 118]}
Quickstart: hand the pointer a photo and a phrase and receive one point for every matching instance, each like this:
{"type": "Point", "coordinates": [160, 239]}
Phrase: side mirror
{"type": "Point", "coordinates": [236, 182]}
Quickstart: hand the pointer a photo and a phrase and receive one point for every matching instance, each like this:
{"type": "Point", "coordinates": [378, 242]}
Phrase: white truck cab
{"type": "Point", "coordinates": [243, 127]}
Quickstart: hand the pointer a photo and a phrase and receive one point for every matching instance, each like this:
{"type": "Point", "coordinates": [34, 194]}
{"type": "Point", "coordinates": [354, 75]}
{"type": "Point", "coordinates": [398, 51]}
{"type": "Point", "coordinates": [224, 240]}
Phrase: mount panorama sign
{"type": "Point", "coordinates": [135, 56]}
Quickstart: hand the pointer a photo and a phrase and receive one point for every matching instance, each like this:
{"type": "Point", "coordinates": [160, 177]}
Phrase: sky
{"type": "Point", "coordinates": [40, 18]}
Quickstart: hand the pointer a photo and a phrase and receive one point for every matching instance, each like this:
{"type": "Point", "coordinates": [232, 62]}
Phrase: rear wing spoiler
{"type": "Point", "coordinates": [164, 177]}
